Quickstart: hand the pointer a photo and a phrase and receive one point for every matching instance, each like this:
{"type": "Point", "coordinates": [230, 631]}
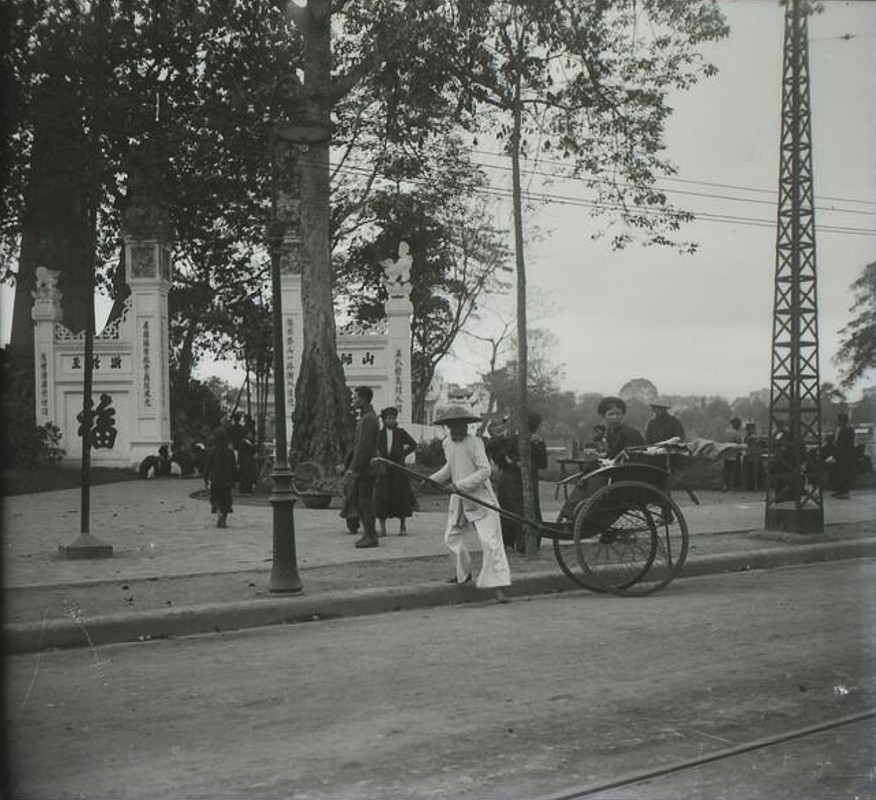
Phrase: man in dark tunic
{"type": "Point", "coordinates": [220, 472]}
{"type": "Point", "coordinates": [360, 469]}
{"type": "Point", "coordinates": [663, 425]}
{"type": "Point", "coordinates": [507, 458]}
{"type": "Point", "coordinates": [843, 458]}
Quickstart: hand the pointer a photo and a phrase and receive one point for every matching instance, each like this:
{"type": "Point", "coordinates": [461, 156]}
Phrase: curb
{"type": "Point", "coordinates": [32, 637]}
{"type": "Point", "coordinates": [775, 557]}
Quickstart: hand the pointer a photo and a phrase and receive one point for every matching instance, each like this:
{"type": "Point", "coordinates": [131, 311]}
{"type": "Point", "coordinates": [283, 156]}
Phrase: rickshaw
{"type": "Point", "coordinates": [628, 536]}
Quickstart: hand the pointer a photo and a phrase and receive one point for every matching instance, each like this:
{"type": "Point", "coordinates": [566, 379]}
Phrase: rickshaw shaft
{"type": "Point", "coordinates": [547, 530]}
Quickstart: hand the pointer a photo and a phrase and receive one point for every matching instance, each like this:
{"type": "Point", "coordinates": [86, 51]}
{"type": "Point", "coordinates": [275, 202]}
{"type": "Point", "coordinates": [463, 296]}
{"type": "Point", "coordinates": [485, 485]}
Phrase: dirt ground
{"type": "Point", "coordinates": [485, 702]}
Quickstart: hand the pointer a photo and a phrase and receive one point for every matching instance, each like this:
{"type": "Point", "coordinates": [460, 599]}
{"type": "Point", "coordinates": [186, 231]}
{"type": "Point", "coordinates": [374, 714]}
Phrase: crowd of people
{"type": "Point", "coordinates": [230, 460]}
{"type": "Point", "coordinates": [489, 468]}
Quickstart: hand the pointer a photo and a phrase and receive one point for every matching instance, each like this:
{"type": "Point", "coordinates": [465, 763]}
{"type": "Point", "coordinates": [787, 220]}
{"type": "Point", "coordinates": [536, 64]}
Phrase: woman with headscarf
{"type": "Point", "coordinates": [393, 496]}
{"type": "Point", "coordinates": [618, 435]}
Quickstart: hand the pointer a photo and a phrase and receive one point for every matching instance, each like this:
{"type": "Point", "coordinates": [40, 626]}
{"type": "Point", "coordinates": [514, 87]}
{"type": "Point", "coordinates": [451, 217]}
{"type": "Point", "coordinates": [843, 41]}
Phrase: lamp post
{"type": "Point", "coordinates": [287, 140]}
{"type": "Point", "coordinates": [85, 545]}
{"type": "Point", "coordinates": [284, 566]}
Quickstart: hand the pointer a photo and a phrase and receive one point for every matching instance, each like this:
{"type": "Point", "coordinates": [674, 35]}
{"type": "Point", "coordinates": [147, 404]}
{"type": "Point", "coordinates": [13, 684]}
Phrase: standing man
{"type": "Point", "coordinates": [732, 474]}
{"type": "Point", "coordinates": [843, 459]}
{"type": "Point", "coordinates": [662, 425]}
{"type": "Point", "coordinates": [511, 479]}
{"type": "Point", "coordinates": [220, 472]}
{"type": "Point", "coordinates": [359, 469]}
{"type": "Point", "coordinates": [468, 470]}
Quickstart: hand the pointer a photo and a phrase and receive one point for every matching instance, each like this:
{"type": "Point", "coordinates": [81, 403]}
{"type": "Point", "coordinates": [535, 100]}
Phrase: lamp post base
{"type": "Point", "coordinates": [284, 569]}
{"type": "Point", "coordinates": [85, 546]}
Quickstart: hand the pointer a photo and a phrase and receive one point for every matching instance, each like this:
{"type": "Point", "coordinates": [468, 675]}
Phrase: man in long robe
{"type": "Point", "coordinates": [360, 469]}
{"type": "Point", "coordinates": [468, 470]}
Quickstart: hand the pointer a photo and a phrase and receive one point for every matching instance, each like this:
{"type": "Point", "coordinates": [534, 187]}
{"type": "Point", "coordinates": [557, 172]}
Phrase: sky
{"type": "Point", "coordinates": [700, 324]}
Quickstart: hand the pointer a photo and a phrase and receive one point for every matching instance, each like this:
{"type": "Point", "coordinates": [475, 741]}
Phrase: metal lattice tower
{"type": "Point", "coordinates": [794, 498]}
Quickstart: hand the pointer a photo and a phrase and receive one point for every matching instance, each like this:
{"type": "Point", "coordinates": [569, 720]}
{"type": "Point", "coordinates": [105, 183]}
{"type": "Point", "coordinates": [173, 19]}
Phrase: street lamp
{"type": "Point", "coordinates": [285, 138]}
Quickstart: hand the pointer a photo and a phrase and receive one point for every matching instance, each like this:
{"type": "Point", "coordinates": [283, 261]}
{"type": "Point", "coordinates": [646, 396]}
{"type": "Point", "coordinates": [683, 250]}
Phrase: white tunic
{"type": "Point", "coordinates": [468, 467]}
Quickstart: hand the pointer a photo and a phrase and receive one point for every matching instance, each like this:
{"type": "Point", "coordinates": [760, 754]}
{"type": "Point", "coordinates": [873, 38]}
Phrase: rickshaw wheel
{"type": "Point", "coordinates": [577, 577]}
{"type": "Point", "coordinates": [672, 539]}
{"type": "Point", "coordinates": [615, 535]}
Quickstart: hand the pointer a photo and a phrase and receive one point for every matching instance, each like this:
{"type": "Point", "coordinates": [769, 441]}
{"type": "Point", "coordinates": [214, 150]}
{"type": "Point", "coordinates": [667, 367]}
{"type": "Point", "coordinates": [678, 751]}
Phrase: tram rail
{"type": "Point", "coordinates": [710, 758]}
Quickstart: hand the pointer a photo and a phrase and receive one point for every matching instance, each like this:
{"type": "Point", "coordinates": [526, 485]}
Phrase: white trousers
{"type": "Point", "coordinates": [494, 566]}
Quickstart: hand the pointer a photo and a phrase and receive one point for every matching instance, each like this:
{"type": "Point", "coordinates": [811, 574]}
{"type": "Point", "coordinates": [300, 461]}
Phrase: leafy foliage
{"type": "Point", "coordinates": [581, 81]}
{"type": "Point", "coordinates": [49, 452]}
{"type": "Point", "coordinates": [196, 411]}
{"type": "Point", "coordinates": [194, 81]}
{"type": "Point", "coordinates": [25, 444]}
{"type": "Point", "coordinates": [857, 350]}
{"type": "Point", "coordinates": [202, 81]}
{"type": "Point", "coordinates": [457, 257]}
{"type": "Point", "coordinates": [430, 453]}
{"type": "Point", "coordinates": [592, 80]}
{"type": "Point", "coordinates": [639, 388]}
{"type": "Point", "coordinates": [542, 380]}
{"type": "Point", "coordinates": [18, 412]}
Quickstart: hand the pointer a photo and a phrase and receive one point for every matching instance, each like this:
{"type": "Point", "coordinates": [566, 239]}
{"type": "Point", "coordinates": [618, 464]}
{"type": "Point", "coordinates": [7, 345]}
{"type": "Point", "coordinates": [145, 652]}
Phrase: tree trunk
{"type": "Point", "coordinates": [531, 543]}
{"type": "Point", "coordinates": [418, 404]}
{"type": "Point", "coordinates": [319, 423]}
{"type": "Point", "coordinates": [423, 370]}
{"type": "Point", "coordinates": [185, 359]}
{"type": "Point", "coordinates": [55, 231]}
{"type": "Point", "coordinates": [491, 402]}
{"type": "Point", "coordinates": [121, 290]}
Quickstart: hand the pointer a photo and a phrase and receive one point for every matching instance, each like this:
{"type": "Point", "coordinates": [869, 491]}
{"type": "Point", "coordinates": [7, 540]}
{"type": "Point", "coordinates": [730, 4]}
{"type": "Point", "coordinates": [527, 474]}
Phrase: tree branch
{"type": "Point", "coordinates": [293, 12]}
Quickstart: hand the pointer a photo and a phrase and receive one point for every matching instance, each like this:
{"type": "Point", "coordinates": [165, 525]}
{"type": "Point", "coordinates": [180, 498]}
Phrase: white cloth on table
{"type": "Point", "coordinates": [468, 467]}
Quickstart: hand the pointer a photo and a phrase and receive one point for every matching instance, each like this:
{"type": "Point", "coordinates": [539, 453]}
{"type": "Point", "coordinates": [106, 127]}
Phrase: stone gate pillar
{"type": "Point", "coordinates": [382, 362]}
{"type": "Point", "coordinates": [45, 313]}
{"type": "Point", "coordinates": [288, 217]}
{"type": "Point", "coordinates": [399, 311]}
{"type": "Point", "coordinates": [146, 234]}
{"type": "Point", "coordinates": [293, 336]}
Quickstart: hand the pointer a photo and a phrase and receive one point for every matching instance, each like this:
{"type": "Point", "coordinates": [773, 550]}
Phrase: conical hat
{"type": "Point", "coordinates": [660, 402]}
{"type": "Point", "coordinates": [456, 414]}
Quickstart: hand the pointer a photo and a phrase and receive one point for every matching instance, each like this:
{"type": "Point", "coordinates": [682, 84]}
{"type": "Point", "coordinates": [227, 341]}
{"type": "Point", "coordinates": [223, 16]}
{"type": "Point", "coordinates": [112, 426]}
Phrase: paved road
{"type": "Point", "coordinates": [489, 701]}
{"type": "Point", "coordinates": [158, 530]}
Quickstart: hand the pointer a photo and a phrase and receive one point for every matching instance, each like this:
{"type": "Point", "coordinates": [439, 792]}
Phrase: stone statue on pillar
{"type": "Point", "coordinates": [397, 281]}
{"type": "Point", "coordinates": [397, 274]}
{"type": "Point", "coordinates": [46, 294]}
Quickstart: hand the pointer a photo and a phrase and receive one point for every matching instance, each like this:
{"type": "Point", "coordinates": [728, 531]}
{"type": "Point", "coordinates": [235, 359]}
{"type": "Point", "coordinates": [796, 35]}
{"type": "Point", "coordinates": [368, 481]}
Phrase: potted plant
{"type": "Point", "coordinates": [314, 487]}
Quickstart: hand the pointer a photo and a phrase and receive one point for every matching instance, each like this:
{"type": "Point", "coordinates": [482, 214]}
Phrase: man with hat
{"type": "Point", "coordinates": [360, 470]}
{"type": "Point", "coordinates": [662, 425]}
{"type": "Point", "coordinates": [468, 470]}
